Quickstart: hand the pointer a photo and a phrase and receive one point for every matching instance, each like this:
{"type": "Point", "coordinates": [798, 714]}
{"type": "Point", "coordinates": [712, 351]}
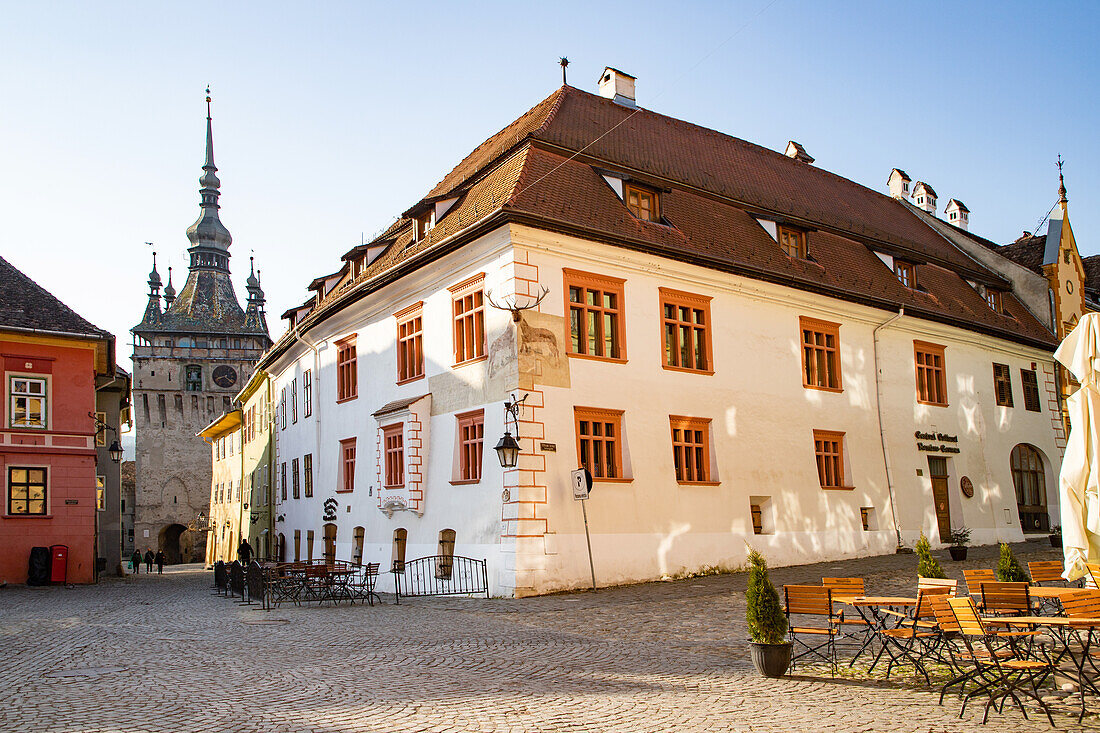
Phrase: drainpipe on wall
{"type": "Point", "coordinates": [882, 427]}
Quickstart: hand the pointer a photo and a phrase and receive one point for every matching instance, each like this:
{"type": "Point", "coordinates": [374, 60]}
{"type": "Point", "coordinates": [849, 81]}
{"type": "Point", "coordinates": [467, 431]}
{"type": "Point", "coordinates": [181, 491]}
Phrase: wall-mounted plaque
{"type": "Point", "coordinates": [967, 487]}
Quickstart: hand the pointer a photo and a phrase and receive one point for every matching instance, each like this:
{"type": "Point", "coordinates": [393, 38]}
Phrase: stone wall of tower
{"type": "Point", "coordinates": [173, 463]}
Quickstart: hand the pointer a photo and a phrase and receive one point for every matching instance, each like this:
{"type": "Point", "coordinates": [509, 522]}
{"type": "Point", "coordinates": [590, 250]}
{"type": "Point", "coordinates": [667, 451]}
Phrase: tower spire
{"type": "Point", "coordinates": [209, 238]}
{"type": "Point", "coordinates": [1061, 183]}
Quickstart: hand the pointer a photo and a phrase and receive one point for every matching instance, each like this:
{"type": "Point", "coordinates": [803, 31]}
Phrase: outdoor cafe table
{"type": "Point", "coordinates": [868, 608]}
{"type": "Point", "coordinates": [1068, 626]}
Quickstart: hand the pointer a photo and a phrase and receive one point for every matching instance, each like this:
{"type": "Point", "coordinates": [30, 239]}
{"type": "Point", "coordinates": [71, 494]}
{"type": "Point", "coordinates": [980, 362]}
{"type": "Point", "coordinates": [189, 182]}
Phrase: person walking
{"type": "Point", "coordinates": [244, 552]}
{"type": "Point", "coordinates": [160, 562]}
{"type": "Point", "coordinates": [135, 562]}
{"type": "Point", "coordinates": [149, 557]}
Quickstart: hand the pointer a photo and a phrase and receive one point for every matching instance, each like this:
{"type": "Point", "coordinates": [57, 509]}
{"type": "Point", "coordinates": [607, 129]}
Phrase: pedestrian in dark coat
{"type": "Point", "coordinates": [135, 562]}
{"type": "Point", "coordinates": [160, 562]}
{"type": "Point", "coordinates": [149, 557]}
{"type": "Point", "coordinates": [244, 552]}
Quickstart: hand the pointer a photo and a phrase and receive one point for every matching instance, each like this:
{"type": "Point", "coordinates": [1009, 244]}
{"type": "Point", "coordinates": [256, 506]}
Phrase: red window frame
{"type": "Point", "coordinates": [393, 452]}
{"type": "Point", "coordinates": [931, 365]}
{"type": "Point", "coordinates": [820, 354]}
{"type": "Point", "coordinates": [600, 442]}
{"type": "Point", "coordinates": [307, 393]}
{"type": "Point", "coordinates": [829, 454]}
{"type": "Point", "coordinates": [468, 309]}
{"type": "Point", "coordinates": [471, 445]}
{"type": "Point", "coordinates": [295, 483]}
{"type": "Point", "coordinates": [686, 331]}
{"type": "Point", "coordinates": [347, 466]}
{"type": "Point", "coordinates": [691, 449]}
{"type": "Point", "coordinates": [792, 242]}
{"type": "Point", "coordinates": [410, 343]}
{"type": "Point", "coordinates": [347, 373]}
{"type": "Point", "coordinates": [594, 308]}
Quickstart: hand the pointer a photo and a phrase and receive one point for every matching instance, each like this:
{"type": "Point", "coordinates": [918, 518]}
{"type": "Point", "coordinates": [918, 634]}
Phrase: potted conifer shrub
{"type": "Point", "coordinates": [927, 567]}
{"type": "Point", "coordinates": [768, 645]}
{"type": "Point", "coordinates": [1009, 569]}
{"type": "Point", "coordinates": [960, 538]}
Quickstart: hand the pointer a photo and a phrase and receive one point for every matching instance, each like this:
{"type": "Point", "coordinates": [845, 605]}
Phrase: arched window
{"type": "Point", "coordinates": [193, 378]}
{"type": "Point", "coordinates": [357, 547]}
{"type": "Point", "coordinates": [445, 561]}
{"type": "Point", "coordinates": [400, 536]}
{"type": "Point", "coordinates": [280, 548]}
{"type": "Point", "coordinates": [1031, 492]}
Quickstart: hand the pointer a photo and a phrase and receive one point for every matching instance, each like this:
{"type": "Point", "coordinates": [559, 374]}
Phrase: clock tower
{"type": "Point", "coordinates": [192, 353]}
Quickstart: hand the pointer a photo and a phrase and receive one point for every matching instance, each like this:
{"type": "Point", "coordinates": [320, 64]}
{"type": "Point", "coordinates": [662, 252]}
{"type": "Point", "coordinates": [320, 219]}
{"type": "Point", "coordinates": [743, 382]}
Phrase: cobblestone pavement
{"type": "Point", "coordinates": [151, 653]}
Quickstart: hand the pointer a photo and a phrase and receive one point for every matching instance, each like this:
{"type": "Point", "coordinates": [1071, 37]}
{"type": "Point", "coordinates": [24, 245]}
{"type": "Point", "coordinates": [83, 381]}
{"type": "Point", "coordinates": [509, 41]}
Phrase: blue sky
{"type": "Point", "coordinates": [332, 118]}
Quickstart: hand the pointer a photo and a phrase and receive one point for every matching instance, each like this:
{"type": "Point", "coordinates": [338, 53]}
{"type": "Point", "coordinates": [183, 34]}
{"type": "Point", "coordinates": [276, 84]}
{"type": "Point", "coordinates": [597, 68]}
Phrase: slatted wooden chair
{"type": "Point", "coordinates": [1002, 677]}
{"type": "Point", "coordinates": [1092, 580]}
{"type": "Point", "coordinates": [974, 579]}
{"type": "Point", "coordinates": [951, 651]}
{"type": "Point", "coordinates": [932, 583]}
{"type": "Point", "coordinates": [815, 603]}
{"type": "Point", "coordinates": [1046, 572]}
{"type": "Point", "coordinates": [1005, 599]}
{"type": "Point", "coordinates": [915, 637]}
{"type": "Point", "coordinates": [851, 625]}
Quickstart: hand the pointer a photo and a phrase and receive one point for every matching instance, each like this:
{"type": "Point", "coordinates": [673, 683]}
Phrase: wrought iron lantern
{"type": "Point", "coordinates": [115, 451]}
{"type": "Point", "coordinates": [507, 447]}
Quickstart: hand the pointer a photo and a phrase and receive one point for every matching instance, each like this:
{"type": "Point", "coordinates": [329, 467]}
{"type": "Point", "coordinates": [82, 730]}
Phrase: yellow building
{"type": "Point", "coordinates": [240, 488]}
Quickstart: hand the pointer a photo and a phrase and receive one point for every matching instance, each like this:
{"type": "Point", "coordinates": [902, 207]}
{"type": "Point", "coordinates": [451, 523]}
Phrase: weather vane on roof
{"type": "Point", "coordinates": [564, 62]}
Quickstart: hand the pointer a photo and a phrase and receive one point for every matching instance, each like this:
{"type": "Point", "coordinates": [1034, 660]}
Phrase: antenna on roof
{"type": "Point", "coordinates": [564, 62]}
{"type": "Point", "coordinates": [1061, 181]}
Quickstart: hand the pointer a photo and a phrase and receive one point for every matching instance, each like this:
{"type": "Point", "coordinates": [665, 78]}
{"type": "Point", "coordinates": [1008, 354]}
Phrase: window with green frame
{"type": "Point", "coordinates": [27, 402]}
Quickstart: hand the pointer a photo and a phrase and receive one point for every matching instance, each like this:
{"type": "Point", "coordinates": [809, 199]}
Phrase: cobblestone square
{"type": "Point", "coordinates": [163, 653]}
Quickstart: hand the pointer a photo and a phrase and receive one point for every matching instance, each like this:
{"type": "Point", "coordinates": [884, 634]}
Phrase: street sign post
{"type": "Point", "coordinates": [582, 487]}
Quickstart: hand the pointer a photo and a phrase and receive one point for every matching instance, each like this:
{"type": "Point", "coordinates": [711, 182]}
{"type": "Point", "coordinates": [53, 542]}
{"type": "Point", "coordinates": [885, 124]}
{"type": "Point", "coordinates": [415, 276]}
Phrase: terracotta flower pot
{"type": "Point", "coordinates": [771, 660]}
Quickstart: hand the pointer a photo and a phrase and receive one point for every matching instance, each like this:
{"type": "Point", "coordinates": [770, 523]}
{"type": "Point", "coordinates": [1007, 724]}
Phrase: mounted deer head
{"type": "Point", "coordinates": [513, 307]}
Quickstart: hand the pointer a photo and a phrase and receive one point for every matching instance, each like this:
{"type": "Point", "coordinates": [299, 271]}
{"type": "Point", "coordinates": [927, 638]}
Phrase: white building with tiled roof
{"type": "Point", "coordinates": [740, 347]}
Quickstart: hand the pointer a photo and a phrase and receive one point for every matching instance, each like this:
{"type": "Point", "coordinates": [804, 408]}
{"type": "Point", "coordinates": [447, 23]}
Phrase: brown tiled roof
{"type": "Point", "coordinates": [396, 405]}
{"type": "Point", "coordinates": [1026, 251]}
{"type": "Point", "coordinates": [533, 172]}
{"type": "Point", "coordinates": [25, 304]}
{"type": "Point", "coordinates": [1092, 272]}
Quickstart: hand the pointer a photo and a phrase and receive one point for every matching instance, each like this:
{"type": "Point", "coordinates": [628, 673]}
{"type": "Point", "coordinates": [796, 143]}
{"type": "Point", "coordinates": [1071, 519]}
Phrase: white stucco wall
{"type": "Point", "coordinates": [762, 422]}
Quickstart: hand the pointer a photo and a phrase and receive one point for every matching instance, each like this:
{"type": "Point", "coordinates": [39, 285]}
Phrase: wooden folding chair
{"type": "Point", "coordinates": [1092, 580]}
{"type": "Point", "coordinates": [1006, 599]}
{"type": "Point", "coordinates": [974, 578]}
{"type": "Point", "coordinates": [915, 637]}
{"type": "Point", "coordinates": [1001, 678]}
{"type": "Point", "coordinates": [853, 628]}
{"type": "Point", "coordinates": [812, 601]}
{"type": "Point", "coordinates": [932, 583]}
{"type": "Point", "coordinates": [1046, 572]}
{"type": "Point", "coordinates": [844, 586]}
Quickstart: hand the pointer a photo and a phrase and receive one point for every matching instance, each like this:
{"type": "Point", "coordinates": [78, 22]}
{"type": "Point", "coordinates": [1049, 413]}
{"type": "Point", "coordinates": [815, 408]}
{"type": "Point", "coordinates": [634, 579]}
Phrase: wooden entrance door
{"type": "Point", "coordinates": [330, 543]}
{"type": "Point", "coordinates": [937, 469]}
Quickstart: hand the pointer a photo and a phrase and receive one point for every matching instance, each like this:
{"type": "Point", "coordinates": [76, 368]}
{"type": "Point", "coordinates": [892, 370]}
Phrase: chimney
{"type": "Point", "coordinates": [618, 86]}
{"type": "Point", "coordinates": [899, 184]}
{"type": "Point", "coordinates": [796, 151]}
{"type": "Point", "coordinates": [924, 196]}
{"type": "Point", "coordinates": [958, 214]}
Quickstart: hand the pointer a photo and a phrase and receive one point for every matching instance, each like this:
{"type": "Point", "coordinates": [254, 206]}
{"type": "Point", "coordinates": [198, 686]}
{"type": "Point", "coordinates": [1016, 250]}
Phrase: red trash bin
{"type": "Point", "coordinates": [59, 563]}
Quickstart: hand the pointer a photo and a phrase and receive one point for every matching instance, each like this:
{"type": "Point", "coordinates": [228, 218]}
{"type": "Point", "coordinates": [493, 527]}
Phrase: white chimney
{"type": "Point", "coordinates": [924, 196]}
{"type": "Point", "coordinates": [958, 214]}
{"type": "Point", "coordinates": [899, 184]}
{"type": "Point", "coordinates": [796, 151]}
{"type": "Point", "coordinates": [618, 86]}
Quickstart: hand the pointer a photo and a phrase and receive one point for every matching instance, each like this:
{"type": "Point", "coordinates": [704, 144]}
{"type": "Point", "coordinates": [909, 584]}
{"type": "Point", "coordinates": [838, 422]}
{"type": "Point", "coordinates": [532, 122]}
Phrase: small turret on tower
{"type": "Point", "coordinates": [169, 291]}
{"type": "Point", "coordinates": [152, 309]}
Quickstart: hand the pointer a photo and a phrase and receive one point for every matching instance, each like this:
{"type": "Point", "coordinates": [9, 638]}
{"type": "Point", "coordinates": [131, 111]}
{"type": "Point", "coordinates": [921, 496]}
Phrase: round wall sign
{"type": "Point", "coordinates": [967, 487]}
{"type": "Point", "coordinates": [1069, 286]}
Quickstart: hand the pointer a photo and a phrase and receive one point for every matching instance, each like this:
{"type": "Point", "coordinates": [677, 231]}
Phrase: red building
{"type": "Point", "coordinates": [51, 358]}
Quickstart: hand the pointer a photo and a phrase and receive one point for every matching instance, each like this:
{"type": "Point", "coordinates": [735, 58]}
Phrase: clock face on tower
{"type": "Point", "coordinates": [224, 376]}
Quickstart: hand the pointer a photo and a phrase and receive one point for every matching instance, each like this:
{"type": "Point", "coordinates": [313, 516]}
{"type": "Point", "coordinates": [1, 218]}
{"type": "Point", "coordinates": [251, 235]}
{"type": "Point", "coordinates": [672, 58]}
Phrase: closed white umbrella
{"type": "Point", "coordinates": [1079, 480]}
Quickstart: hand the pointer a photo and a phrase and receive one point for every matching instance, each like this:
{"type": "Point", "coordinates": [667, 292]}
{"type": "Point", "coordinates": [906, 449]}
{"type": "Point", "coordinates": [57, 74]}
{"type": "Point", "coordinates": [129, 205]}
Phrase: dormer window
{"type": "Point", "coordinates": [424, 223]}
{"type": "Point", "coordinates": [994, 300]}
{"type": "Point", "coordinates": [792, 242]}
{"type": "Point", "coordinates": [905, 187]}
{"type": "Point", "coordinates": [920, 199]}
{"type": "Point", "coordinates": [954, 215]}
{"type": "Point", "coordinates": [906, 272]}
{"type": "Point", "coordinates": [642, 202]}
